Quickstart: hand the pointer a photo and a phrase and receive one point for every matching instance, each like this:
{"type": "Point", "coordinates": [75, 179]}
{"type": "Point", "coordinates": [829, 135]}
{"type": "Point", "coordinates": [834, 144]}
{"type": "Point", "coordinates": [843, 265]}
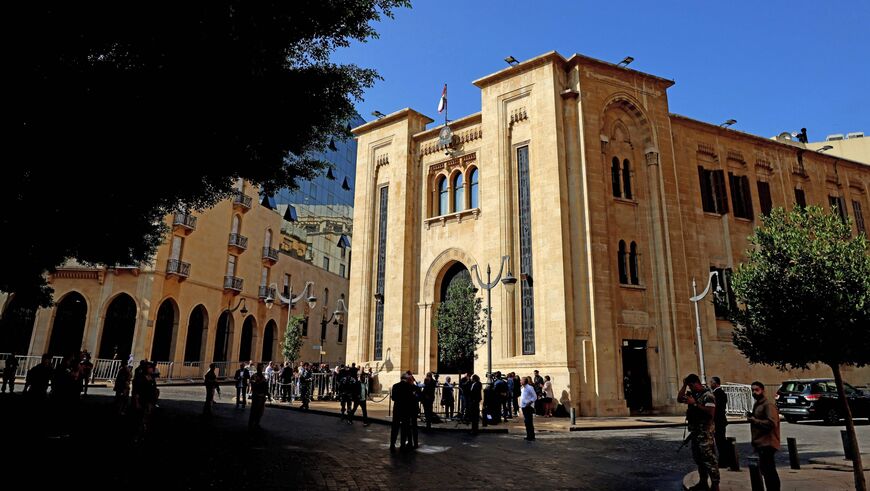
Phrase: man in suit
{"type": "Point", "coordinates": [473, 398]}
{"type": "Point", "coordinates": [242, 378]}
{"type": "Point", "coordinates": [399, 394]}
{"type": "Point", "coordinates": [721, 421]}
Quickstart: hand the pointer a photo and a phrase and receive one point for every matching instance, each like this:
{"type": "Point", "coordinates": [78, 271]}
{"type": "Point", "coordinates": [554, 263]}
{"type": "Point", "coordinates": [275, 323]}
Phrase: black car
{"type": "Point", "coordinates": [818, 399]}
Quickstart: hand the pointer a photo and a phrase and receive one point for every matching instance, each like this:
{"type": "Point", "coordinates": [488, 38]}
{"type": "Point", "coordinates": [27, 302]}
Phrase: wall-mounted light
{"type": "Point", "coordinates": [728, 123]}
{"type": "Point", "coordinates": [625, 61]}
{"type": "Point", "coordinates": [510, 60]}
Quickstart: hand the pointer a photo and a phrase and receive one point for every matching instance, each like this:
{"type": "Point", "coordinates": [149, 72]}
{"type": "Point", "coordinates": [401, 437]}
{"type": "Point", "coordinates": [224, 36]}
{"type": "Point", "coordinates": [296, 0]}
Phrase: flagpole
{"type": "Point", "coordinates": [445, 106]}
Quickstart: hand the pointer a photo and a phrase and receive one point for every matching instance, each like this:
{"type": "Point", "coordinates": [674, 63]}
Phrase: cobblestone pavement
{"type": "Point", "coordinates": [298, 450]}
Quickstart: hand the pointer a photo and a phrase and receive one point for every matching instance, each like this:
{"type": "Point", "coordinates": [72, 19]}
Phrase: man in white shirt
{"type": "Point", "coordinates": [527, 403]}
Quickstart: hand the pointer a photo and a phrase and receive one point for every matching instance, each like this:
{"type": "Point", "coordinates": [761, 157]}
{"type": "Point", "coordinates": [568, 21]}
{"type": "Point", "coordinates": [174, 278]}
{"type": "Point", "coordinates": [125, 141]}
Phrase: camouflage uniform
{"type": "Point", "coordinates": [702, 427]}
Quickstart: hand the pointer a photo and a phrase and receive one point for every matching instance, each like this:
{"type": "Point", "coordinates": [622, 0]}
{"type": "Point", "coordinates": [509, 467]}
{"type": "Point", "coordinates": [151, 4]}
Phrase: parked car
{"type": "Point", "coordinates": [818, 399]}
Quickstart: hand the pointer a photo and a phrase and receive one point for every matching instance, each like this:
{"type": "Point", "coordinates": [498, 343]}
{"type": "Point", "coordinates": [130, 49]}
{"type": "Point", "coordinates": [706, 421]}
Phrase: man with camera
{"type": "Point", "coordinates": [700, 414]}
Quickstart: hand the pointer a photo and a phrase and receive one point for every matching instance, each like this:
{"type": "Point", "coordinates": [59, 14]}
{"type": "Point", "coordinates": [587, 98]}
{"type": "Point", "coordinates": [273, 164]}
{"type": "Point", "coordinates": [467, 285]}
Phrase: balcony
{"type": "Point", "coordinates": [184, 221]}
{"type": "Point", "coordinates": [270, 255]}
{"type": "Point", "coordinates": [233, 283]}
{"type": "Point", "coordinates": [238, 242]}
{"type": "Point", "coordinates": [266, 291]}
{"type": "Point", "coordinates": [241, 201]}
{"type": "Point", "coordinates": [178, 268]}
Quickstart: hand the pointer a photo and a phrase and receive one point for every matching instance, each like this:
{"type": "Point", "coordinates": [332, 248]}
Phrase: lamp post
{"type": "Point", "coordinates": [697, 298]}
{"type": "Point", "coordinates": [335, 318]}
{"type": "Point", "coordinates": [509, 282]}
{"type": "Point", "coordinates": [291, 300]}
{"type": "Point", "coordinates": [244, 305]}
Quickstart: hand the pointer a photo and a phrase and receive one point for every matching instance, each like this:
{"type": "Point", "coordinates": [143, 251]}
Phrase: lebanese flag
{"type": "Point", "coordinates": [442, 104]}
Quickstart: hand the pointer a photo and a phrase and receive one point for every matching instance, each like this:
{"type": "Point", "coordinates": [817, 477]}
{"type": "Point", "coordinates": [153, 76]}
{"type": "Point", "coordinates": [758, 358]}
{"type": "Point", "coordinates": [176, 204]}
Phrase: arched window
{"type": "Point", "coordinates": [443, 196]}
{"type": "Point", "coordinates": [614, 176]}
{"type": "Point", "coordinates": [458, 193]}
{"type": "Point", "coordinates": [267, 242]}
{"type": "Point", "coordinates": [472, 188]}
{"type": "Point", "coordinates": [326, 297]}
{"type": "Point", "coordinates": [632, 263]}
{"type": "Point", "coordinates": [620, 263]}
{"type": "Point", "coordinates": [626, 179]}
{"type": "Point", "coordinates": [237, 224]}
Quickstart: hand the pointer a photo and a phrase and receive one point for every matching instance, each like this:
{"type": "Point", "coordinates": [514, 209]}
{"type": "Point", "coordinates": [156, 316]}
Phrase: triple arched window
{"type": "Point", "coordinates": [457, 193]}
{"type": "Point", "coordinates": [627, 263]}
{"type": "Point", "coordinates": [620, 177]}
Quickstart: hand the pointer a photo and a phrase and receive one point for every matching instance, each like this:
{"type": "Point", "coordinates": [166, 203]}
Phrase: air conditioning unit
{"type": "Point", "coordinates": [855, 134]}
{"type": "Point", "coordinates": [835, 137]}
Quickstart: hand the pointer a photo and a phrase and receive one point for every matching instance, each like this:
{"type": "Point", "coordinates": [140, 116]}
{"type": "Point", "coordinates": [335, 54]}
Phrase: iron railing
{"type": "Point", "coordinates": [238, 241]}
{"type": "Point", "coordinates": [270, 254]}
{"type": "Point", "coordinates": [266, 291]}
{"type": "Point", "coordinates": [233, 283]}
{"type": "Point", "coordinates": [184, 220]}
{"type": "Point", "coordinates": [178, 267]}
{"type": "Point", "coordinates": [242, 200]}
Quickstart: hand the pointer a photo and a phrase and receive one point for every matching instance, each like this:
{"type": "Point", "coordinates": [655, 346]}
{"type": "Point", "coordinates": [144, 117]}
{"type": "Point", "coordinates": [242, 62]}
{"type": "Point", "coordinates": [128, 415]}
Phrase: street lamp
{"type": "Point", "coordinates": [509, 282]}
{"type": "Point", "coordinates": [336, 318]}
{"type": "Point", "coordinates": [697, 298]}
{"type": "Point", "coordinates": [244, 305]}
{"type": "Point", "coordinates": [825, 148]}
{"type": "Point", "coordinates": [291, 300]}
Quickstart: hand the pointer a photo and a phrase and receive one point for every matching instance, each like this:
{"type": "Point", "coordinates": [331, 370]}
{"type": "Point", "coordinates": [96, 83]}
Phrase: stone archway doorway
{"type": "Point", "coordinates": [453, 272]}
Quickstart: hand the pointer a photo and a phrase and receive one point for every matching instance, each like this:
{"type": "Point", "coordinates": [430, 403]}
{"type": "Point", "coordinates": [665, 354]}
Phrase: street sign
{"type": "Point", "coordinates": [317, 347]}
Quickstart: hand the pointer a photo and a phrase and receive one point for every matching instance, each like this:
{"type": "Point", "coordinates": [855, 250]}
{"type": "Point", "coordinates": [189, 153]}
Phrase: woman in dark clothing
{"type": "Point", "coordinates": [447, 399]}
{"type": "Point", "coordinates": [429, 398]}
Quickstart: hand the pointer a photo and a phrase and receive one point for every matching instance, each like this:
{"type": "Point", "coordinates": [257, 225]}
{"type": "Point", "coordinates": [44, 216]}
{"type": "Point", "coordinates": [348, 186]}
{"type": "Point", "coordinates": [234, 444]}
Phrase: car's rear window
{"type": "Point", "coordinates": [799, 387]}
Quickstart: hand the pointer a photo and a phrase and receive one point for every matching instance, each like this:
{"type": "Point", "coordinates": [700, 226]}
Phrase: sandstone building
{"type": "Point", "coordinates": [608, 205]}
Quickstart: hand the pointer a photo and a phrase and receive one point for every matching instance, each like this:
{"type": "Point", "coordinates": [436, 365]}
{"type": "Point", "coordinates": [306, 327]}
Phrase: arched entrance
{"type": "Point", "coordinates": [246, 343]}
{"type": "Point", "coordinates": [165, 327]}
{"type": "Point", "coordinates": [116, 340]}
{"type": "Point", "coordinates": [197, 328]}
{"type": "Point", "coordinates": [16, 326]}
{"type": "Point", "coordinates": [269, 341]}
{"type": "Point", "coordinates": [68, 328]}
{"type": "Point", "coordinates": [223, 336]}
{"type": "Point", "coordinates": [452, 273]}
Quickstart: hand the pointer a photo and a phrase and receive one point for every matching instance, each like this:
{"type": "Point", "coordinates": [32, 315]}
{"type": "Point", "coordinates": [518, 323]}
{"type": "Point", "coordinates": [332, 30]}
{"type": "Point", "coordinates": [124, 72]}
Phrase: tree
{"type": "Point", "coordinates": [460, 327]}
{"type": "Point", "coordinates": [805, 295]}
{"type": "Point", "coordinates": [124, 112]}
{"type": "Point", "coordinates": [292, 338]}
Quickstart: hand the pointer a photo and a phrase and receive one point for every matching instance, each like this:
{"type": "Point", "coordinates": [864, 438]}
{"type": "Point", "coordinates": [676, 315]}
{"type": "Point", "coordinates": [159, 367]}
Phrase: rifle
{"type": "Point", "coordinates": [686, 440]}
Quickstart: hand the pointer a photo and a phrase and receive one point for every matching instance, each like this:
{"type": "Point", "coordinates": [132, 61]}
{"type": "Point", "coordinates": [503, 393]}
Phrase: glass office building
{"type": "Point", "coordinates": [318, 217]}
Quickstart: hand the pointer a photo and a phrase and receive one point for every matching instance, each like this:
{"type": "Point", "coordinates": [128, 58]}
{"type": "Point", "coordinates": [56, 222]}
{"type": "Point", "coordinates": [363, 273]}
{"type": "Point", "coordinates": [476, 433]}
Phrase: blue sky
{"type": "Point", "coordinates": [772, 65]}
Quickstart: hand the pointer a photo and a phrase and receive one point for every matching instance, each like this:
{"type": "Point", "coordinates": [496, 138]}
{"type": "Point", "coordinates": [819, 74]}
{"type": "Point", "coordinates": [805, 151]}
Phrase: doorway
{"type": "Point", "coordinates": [635, 376]}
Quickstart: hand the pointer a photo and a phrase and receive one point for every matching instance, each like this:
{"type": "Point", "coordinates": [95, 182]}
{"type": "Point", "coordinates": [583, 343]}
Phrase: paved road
{"type": "Point", "coordinates": [297, 450]}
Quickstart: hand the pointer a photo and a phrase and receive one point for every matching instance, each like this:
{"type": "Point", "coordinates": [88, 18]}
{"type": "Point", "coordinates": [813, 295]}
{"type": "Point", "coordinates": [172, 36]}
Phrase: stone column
{"type": "Point", "coordinates": [660, 282]}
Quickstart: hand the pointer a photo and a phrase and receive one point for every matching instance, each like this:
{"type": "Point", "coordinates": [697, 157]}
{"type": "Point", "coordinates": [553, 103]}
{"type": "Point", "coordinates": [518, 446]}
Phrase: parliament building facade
{"type": "Point", "coordinates": [608, 206]}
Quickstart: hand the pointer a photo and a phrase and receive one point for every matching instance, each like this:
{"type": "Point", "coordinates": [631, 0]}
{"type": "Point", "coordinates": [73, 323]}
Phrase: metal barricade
{"type": "Point", "coordinates": [226, 369]}
{"type": "Point", "coordinates": [739, 398]}
{"type": "Point", "coordinates": [106, 369]}
{"type": "Point", "coordinates": [164, 368]}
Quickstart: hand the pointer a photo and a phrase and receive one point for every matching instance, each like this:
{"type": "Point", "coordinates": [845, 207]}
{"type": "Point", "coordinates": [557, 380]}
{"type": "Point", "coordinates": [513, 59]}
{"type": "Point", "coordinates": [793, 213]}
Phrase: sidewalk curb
{"type": "Point", "coordinates": [637, 426]}
{"type": "Point", "coordinates": [382, 421]}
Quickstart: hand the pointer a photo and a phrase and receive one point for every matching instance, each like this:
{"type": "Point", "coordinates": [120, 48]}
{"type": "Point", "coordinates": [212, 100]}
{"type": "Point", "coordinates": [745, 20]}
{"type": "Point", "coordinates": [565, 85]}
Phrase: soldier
{"type": "Point", "coordinates": [700, 414]}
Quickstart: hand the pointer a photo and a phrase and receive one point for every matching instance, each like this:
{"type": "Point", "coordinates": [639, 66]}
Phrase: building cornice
{"type": "Point", "coordinates": [401, 114]}
{"type": "Point", "coordinates": [770, 142]}
{"type": "Point", "coordinates": [456, 124]}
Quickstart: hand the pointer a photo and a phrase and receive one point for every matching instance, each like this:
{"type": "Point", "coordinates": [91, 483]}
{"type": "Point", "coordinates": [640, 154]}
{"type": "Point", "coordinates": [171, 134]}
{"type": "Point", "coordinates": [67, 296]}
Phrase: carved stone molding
{"type": "Point", "coordinates": [382, 160]}
{"type": "Point", "coordinates": [708, 150]}
{"type": "Point", "coordinates": [763, 165]}
{"type": "Point", "coordinates": [517, 115]}
{"type": "Point", "coordinates": [735, 156]}
{"type": "Point", "coordinates": [459, 138]}
{"type": "Point", "coordinates": [461, 161]}
{"type": "Point", "coordinates": [652, 158]}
